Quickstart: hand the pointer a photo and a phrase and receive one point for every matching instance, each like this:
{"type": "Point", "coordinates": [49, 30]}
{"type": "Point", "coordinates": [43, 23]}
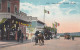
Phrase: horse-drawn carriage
{"type": "Point", "coordinates": [67, 36]}
{"type": "Point", "coordinates": [39, 38]}
{"type": "Point", "coordinates": [48, 35]}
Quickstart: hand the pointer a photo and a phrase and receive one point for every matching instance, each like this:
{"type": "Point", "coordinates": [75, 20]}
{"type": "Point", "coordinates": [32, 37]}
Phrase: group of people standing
{"type": "Point", "coordinates": [47, 34]}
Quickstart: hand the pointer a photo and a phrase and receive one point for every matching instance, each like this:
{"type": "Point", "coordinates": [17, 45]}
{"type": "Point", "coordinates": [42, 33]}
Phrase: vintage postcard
{"type": "Point", "coordinates": [39, 24]}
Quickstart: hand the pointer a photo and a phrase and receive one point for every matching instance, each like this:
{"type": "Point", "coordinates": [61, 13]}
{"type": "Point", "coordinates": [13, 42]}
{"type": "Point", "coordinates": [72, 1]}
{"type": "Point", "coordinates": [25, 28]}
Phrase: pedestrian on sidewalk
{"type": "Point", "coordinates": [18, 35]}
{"type": "Point", "coordinates": [22, 36]}
{"type": "Point", "coordinates": [26, 37]}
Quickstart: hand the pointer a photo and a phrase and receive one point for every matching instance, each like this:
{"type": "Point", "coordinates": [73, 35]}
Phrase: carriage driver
{"type": "Point", "coordinates": [36, 37]}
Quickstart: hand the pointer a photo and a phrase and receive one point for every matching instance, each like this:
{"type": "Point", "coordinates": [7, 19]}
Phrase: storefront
{"type": "Point", "coordinates": [10, 26]}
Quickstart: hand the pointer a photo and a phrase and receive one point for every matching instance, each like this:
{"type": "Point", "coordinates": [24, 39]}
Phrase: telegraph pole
{"type": "Point", "coordinates": [44, 14]}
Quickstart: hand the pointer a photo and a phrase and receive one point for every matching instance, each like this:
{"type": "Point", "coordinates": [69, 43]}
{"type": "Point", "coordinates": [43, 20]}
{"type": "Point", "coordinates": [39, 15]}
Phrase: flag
{"type": "Point", "coordinates": [45, 11]}
{"type": "Point", "coordinates": [53, 25]}
{"type": "Point", "coordinates": [57, 24]}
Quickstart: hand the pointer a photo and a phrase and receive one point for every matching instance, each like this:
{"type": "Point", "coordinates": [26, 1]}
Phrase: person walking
{"type": "Point", "coordinates": [72, 37]}
{"type": "Point", "coordinates": [18, 35]}
{"type": "Point", "coordinates": [22, 36]}
{"type": "Point", "coordinates": [26, 37]}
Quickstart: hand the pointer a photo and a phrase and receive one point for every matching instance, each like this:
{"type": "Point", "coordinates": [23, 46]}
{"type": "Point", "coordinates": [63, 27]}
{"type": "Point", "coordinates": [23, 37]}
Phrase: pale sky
{"type": "Point", "coordinates": [65, 12]}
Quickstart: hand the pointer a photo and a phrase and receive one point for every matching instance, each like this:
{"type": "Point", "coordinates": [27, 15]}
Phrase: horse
{"type": "Point", "coordinates": [41, 39]}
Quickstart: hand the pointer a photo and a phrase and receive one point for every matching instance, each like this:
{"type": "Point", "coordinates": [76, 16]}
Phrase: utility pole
{"type": "Point", "coordinates": [44, 14]}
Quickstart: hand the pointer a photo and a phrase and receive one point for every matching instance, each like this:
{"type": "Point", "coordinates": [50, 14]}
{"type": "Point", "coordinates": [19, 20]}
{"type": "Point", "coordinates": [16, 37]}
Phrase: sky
{"type": "Point", "coordinates": [65, 12]}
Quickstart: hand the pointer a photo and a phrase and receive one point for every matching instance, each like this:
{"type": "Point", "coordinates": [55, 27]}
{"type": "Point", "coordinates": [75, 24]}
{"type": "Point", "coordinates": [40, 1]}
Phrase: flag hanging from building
{"type": "Point", "coordinates": [45, 11]}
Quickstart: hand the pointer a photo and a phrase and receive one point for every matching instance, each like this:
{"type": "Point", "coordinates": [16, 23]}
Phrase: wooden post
{"type": "Point", "coordinates": [16, 35]}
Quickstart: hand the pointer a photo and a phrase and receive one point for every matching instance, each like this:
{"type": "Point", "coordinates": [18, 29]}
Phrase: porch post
{"type": "Point", "coordinates": [15, 35]}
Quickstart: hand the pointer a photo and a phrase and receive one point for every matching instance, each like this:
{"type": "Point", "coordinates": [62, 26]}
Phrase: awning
{"type": "Point", "coordinates": [40, 22]}
{"type": "Point", "coordinates": [3, 20]}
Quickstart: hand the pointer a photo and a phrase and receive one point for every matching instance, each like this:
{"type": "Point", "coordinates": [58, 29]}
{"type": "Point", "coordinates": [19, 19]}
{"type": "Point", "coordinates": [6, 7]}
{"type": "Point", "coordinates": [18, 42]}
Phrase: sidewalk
{"type": "Point", "coordinates": [12, 43]}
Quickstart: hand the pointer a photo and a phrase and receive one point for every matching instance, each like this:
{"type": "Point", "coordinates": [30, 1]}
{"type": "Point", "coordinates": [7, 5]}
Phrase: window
{"type": "Point", "coordinates": [0, 3]}
{"type": "Point", "coordinates": [15, 9]}
{"type": "Point", "coordinates": [8, 6]}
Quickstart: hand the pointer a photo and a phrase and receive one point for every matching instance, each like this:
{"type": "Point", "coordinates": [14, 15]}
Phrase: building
{"type": "Point", "coordinates": [11, 19]}
{"type": "Point", "coordinates": [28, 19]}
{"type": "Point", "coordinates": [36, 25]}
{"type": "Point", "coordinates": [39, 25]}
{"type": "Point", "coordinates": [9, 6]}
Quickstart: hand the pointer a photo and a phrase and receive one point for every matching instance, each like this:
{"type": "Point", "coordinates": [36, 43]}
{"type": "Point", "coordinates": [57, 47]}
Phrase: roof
{"type": "Point", "coordinates": [19, 20]}
{"type": "Point", "coordinates": [40, 22]}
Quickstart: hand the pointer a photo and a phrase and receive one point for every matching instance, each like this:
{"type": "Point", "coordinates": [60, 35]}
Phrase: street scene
{"type": "Point", "coordinates": [39, 25]}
